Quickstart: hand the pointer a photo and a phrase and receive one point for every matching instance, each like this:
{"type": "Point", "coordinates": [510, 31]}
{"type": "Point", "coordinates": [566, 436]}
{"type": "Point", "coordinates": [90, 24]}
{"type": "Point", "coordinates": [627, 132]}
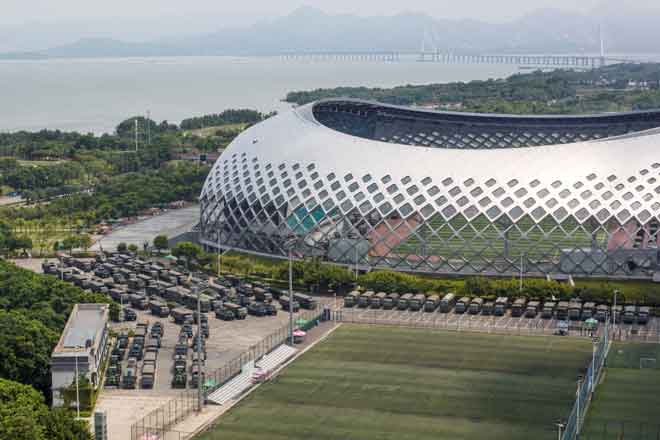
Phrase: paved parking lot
{"type": "Point", "coordinates": [228, 339]}
{"type": "Point", "coordinates": [493, 324]}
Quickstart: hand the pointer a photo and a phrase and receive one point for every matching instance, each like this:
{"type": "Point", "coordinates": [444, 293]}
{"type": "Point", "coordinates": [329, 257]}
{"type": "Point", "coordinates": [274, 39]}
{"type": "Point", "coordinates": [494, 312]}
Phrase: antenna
{"type": "Point", "coordinates": [602, 45]}
{"type": "Point", "coordinates": [148, 127]}
{"type": "Point", "coordinates": [136, 135]}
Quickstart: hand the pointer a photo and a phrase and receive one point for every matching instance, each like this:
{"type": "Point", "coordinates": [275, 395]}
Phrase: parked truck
{"type": "Point", "coordinates": [432, 303]}
{"type": "Point", "coordinates": [376, 301]}
{"type": "Point", "coordinates": [390, 301]}
{"type": "Point", "coordinates": [447, 302]}
{"type": "Point", "coordinates": [588, 310]}
{"type": "Point", "coordinates": [629, 314]}
{"type": "Point", "coordinates": [475, 306]}
{"type": "Point", "coordinates": [548, 309]}
{"type": "Point", "coordinates": [403, 301]}
{"type": "Point", "coordinates": [532, 309]}
{"type": "Point", "coordinates": [365, 298]}
{"type": "Point", "coordinates": [417, 302]}
{"type": "Point", "coordinates": [643, 315]}
{"type": "Point", "coordinates": [462, 305]}
{"type": "Point", "coordinates": [501, 305]}
{"type": "Point", "coordinates": [518, 308]}
{"type": "Point", "coordinates": [562, 310]}
{"type": "Point", "coordinates": [350, 300]}
{"type": "Point", "coordinates": [575, 309]}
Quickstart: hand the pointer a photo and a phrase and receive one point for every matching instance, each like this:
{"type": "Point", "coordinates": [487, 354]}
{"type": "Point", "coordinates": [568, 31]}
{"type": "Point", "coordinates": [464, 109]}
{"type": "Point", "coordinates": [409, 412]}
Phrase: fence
{"type": "Point", "coordinates": [452, 322]}
{"type": "Point", "coordinates": [586, 387]}
{"type": "Point", "coordinates": [159, 423]}
{"type": "Point", "coordinates": [620, 430]}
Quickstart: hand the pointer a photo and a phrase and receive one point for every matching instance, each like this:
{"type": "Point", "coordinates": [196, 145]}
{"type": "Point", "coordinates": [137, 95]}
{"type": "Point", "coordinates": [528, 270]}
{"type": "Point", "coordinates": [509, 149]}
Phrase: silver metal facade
{"type": "Point", "coordinates": [582, 206]}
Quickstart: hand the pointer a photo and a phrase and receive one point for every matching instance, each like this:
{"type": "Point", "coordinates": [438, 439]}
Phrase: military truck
{"type": "Point", "coordinates": [148, 376]}
{"type": "Point", "coordinates": [462, 305]}
{"type": "Point", "coordinates": [562, 310]}
{"type": "Point", "coordinates": [548, 309]}
{"type": "Point", "coordinates": [376, 301]}
{"type": "Point", "coordinates": [129, 378]}
{"type": "Point", "coordinates": [365, 298]}
{"type": "Point", "coordinates": [431, 303]}
{"type": "Point", "coordinates": [129, 315]}
{"type": "Point", "coordinates": [602, 311]}
{"type": "Point", "coordinates": [475, 306]}
{"type": "Point", "coordinates": [403, 301]}
{"type": "Point", "coordinates": [390, 301]}
{"type": "Point", "coordinates": [159, 309]}
{"type": "Point", "coordinates": [488, 308]}
{"type": "Point", "coordinates": [417, 302]}
{"type": "Point", "coordinates": [518, 307]}
{"type": "Point", "coordinates": [643, 315]}
{"type": "Point", "coordinates": [629, 313]}
{"type": "Point", "coordinates": [447, 302]}
{"type": "Point", "coordinates": [239, 311]}
{"type": "Point", "coordinates": [575, 309]}
{"type": "Point", "coordinates": [181, 315]}
{"type": "Point", "coordinates": [179, 380]}
{"type": "Point", "coordinates": [588, 310]}
{"type": "Point", "coordinates": [306, 301]}
{"type": "Point", "coordinates": [532, 309]}
{"type": "Point", "coordinates": [284, 302]}
{"type": "Point", "coordinates": [350, 300]}
{"type": "Point", "coordinates": [257, 309]}
{"type": "Point", "coordinates": [260, 294]}
{"type": "Point", "coordinates": [224, 314]}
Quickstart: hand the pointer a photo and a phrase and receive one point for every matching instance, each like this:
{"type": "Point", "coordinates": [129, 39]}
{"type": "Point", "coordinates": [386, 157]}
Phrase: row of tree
{"type": "Point", "coordinates": [531, 93]}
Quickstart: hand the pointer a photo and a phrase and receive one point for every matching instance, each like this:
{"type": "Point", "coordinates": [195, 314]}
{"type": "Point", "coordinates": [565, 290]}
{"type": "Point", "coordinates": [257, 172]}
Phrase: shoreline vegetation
{"type": "Point", "coordinates": [616, 88]}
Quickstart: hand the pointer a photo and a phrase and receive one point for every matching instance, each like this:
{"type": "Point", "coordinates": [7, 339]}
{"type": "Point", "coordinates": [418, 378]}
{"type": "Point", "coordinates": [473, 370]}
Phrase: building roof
{"type": "Point", "coordinates": [83, 328]}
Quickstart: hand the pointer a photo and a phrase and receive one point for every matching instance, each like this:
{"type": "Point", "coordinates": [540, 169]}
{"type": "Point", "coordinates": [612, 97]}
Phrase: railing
{"type": "Point", "coordinates": [160, 423]}
{"type": "Point", "coordinates": [586, 387]}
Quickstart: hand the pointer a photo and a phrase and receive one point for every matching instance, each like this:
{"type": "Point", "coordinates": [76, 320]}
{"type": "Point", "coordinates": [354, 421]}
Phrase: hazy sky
{"type": "Point", "coordinates": [27, 25]}
{"type": "Point", "coordinates": [21, 11]}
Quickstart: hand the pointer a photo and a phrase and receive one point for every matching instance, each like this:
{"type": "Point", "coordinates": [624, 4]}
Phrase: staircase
{"type": "Point", "coordinates": [241, 383]}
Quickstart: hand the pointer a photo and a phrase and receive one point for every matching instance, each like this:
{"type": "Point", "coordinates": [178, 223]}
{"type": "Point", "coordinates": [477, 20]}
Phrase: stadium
{"type": "Point", "coordinates": [380, 186]}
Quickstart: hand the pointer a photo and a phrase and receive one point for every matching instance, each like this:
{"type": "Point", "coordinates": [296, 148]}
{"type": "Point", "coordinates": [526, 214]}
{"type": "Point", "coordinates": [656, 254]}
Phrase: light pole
{"type": "Point", "coordinates": [560, 427]}
{"type": "Point", "coordinates": [616, 292]}
{"type": "Point", "coordinates": [357, 270]}
{"type": "Point", "coordinates": [578, 415]}
{"type": "Point", "coordinates": [200, 373]}
{"type": "Point", "coordinates": [220, 254]}
{"type": "Point", "coordinates": [290, 243]}
{"type": "Point", "coordinates": [521, 270]}
{"type": "Point", "coordinates": [78, 347]}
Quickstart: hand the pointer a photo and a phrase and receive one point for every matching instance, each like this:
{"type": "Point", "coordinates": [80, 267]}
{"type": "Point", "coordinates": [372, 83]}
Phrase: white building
{"type": "Point", "coordinates": [82, 345]}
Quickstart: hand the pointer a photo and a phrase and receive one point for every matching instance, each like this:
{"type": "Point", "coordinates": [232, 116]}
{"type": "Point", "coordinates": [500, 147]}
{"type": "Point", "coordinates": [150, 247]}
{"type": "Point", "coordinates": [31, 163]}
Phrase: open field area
{"type": "Point", "coordinates": [626, 404]}
{"type": "Point", "coordinates": [368, 382]}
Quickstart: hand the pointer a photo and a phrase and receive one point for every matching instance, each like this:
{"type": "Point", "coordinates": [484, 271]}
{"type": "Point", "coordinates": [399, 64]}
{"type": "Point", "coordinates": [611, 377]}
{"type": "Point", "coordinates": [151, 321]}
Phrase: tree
{"type": "Point", "coordinates": [71, 242]}
{"type": "Point", "coordinates": [22, 412]}
{"type": "Point", "coordinates": [161, 242]}
{"type": "Point", "coordinates": [60, 425]}
{"type": "Point", "coordinates": [114, 312]}
{"type": "Point", "coordinates": [84, 241]}
{"type": "Point", "coordinates": [187, 250]}
{"type": "Point", "coordinates": [25, 347]}
{"type": "Point", "coordinates": [122, 247]}
{"type": "Point", "coordinates": [132, 247]}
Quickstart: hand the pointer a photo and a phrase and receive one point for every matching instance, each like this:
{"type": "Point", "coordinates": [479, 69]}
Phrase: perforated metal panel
{"type": "Point", "coordinates": [584, 208]}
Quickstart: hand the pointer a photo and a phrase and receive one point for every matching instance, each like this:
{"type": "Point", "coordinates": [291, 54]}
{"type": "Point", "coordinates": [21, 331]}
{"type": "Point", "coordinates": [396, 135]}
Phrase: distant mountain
{"type": "Point", "coordinates": [310, 29]}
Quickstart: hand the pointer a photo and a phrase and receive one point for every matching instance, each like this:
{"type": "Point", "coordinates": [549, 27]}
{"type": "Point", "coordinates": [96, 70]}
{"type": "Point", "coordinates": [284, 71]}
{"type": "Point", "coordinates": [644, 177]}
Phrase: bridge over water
{"type": "Point", "coordinates": [540, 60]}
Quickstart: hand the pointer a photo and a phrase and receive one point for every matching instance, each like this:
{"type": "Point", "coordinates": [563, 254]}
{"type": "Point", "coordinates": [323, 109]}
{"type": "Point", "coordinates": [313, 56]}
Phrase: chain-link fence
{"type": "Point", "coordinates": [220, 376]}
{"type": "Point", "coordinates": [453, 322]}
{"type": "Point", "coordinates": [619, 430]}
{"type": "Point", "coordinates": [159, 423]}
{"type": "Point", "coordinates": [586, 387]}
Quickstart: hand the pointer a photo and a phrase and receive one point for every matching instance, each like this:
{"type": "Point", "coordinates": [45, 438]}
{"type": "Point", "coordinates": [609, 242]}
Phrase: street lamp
{"type": "Point", "coordinates": [560, 428]}
{"type": "Point", "coordinates": [289, 243]}
{"type": "Point", "coordinates": [200, 369]}
{"type": "Point", "coordinates": [78, 347]}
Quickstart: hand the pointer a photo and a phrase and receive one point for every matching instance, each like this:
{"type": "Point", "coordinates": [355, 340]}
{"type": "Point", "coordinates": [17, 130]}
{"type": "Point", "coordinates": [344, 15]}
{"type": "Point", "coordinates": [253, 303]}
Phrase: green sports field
{"type": "Point", "coordinates": [627, 403]}
{"type": "Point", "coordinates": [368, 382]}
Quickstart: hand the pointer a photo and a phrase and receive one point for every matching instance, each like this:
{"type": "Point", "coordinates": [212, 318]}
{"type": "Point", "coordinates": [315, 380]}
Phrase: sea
{"type": "Point", "coordinates": [94, 95]}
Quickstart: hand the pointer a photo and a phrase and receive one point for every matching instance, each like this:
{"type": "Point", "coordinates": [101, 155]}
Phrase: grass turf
{"type": "Point", "coordinates": [395, 383]}
{"type": "Point", "coordinates": [626, 404]}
